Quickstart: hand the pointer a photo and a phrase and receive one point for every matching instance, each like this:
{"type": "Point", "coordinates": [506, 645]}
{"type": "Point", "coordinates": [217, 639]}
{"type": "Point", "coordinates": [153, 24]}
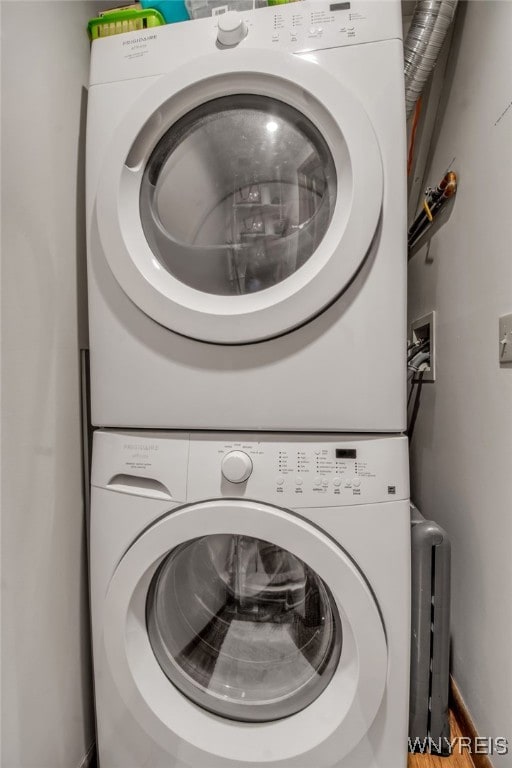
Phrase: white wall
{"type": "Point", "coordinates": [46, 680]}
{"type": "Point", "coordinates": [462, 447]}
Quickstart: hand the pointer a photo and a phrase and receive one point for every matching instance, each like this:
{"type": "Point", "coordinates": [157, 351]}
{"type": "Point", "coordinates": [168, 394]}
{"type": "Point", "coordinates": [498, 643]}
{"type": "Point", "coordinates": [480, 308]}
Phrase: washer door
{"type": "Point", "coordinates": [236, 204]}
{"type": "Point", "coordinates": [259, 619]}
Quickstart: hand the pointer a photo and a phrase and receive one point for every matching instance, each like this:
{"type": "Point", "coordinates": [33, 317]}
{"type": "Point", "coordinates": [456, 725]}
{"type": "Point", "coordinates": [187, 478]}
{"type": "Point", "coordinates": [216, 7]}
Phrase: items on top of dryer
{"type": "Point", "coordinates": [126, 19]}
{"type": "Point", "coordinates": [137, 16]}
{"type": "Point", "coordinates": [172, 10]}
{"type": "Point", "coordinates": [198, 9]}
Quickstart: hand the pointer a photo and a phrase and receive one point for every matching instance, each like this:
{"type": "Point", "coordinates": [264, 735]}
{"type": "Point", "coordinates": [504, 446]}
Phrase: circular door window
{"type": "Point", "coordinates": [245, 622]}
{"type": "Point", "coordinates": [238, 197]}
{"type": "Point", "coordinates": [243, 627]}
{"type": "Point", "coordinates": [238, 194]}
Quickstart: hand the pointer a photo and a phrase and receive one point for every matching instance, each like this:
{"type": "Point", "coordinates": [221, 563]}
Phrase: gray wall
{"type": "Point", "coordinates": [462, 447]}
{"type": "Point", "coordinates": [46, 678]}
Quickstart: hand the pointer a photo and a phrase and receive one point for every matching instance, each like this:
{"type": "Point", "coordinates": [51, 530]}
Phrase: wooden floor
{"type": "Point", "coordinates": [455, 761]}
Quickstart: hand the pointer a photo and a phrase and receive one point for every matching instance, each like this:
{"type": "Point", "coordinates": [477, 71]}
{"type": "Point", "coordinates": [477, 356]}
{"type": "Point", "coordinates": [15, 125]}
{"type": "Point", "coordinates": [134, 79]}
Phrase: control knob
{"type": "Point", "coordinates": [236, 466]}
{"type": "Point", "coordinates": [231, 29]}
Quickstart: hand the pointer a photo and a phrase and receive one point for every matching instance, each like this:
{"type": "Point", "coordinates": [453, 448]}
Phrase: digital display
{"type": "Point", "coordinates": [339, 7]}
{"type": "Point", "coordinates": [346, 453]}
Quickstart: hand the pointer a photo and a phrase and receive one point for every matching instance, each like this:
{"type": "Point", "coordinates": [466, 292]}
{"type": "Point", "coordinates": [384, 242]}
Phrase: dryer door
{"type": "Point", "coordinates": [236, 203]}
{"type": "Point", "coordinates": [247, 612]}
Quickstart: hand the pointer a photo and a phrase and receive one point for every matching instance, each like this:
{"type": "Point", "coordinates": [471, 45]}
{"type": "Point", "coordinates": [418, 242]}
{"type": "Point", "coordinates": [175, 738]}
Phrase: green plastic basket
{"type": "Point", "coordinates": [115, 23]}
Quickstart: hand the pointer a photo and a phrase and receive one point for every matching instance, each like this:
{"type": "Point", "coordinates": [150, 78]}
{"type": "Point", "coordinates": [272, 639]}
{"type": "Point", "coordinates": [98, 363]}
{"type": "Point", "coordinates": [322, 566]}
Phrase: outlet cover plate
{"type": "Point", "coordinates": [505, 339]}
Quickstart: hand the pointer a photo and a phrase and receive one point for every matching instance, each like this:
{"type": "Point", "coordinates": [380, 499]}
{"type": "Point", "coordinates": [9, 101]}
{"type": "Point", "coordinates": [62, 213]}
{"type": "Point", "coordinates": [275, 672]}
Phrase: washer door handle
{"type": "Point", "coordinates": [139, 486]}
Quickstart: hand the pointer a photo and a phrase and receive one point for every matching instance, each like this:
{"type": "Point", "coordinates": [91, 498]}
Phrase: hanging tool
{"type": "Point", "coordinates": [435, 198]}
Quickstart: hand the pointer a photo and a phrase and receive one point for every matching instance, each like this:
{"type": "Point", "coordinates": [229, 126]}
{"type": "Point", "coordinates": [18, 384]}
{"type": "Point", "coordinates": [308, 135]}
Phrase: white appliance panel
{"type": "Point", "coordinates": [144, 375]}
{"type": "Point", "coordinates": [312, 26]}
{"type": "Point", "coordinates": [364, 560]}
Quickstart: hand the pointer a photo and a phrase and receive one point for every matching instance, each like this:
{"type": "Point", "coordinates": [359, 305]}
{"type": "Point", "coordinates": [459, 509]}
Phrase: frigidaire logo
{"type": "Point", "coordinates": [140, 447]}
{"type": "Point", "coordinates": [135, 40]}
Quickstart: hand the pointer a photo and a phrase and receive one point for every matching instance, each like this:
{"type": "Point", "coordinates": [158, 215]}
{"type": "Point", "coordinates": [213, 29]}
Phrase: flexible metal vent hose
{"type": "Point", "coordinates": [423, 44]}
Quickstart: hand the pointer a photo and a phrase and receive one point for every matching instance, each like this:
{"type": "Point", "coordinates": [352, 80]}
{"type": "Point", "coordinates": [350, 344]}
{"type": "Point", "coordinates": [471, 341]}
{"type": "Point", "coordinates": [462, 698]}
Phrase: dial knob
{"type": "Point", "coordinates": [236, 466]}
{"type": "Point", "coordinates": [231, 29]}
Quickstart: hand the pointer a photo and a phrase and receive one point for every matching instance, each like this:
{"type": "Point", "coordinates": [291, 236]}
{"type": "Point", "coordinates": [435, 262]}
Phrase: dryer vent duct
{"type": "Point", "coordinates": [423, 44]}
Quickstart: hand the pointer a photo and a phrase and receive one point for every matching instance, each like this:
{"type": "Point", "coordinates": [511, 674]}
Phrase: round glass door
{"type": "Point", "coordinates": [238, 194]}
{"type": "Point", "coordinates": [248, 626]}
{"type": "Point", "coordinates": [239, 197]}
{"type": "Point", "coordinates": [243, 627]}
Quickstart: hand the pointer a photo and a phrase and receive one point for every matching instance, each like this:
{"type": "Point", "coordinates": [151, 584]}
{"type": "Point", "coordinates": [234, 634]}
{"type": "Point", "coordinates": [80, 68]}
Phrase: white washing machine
{"type": "Point", "coordinates": [250, 600]}
{"type": "Point", "coordinates": [246, 211]}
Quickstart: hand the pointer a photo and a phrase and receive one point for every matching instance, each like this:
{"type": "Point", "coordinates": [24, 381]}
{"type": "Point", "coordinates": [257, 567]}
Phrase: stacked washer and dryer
{"type": "Point", "coordinates": [250, 555]}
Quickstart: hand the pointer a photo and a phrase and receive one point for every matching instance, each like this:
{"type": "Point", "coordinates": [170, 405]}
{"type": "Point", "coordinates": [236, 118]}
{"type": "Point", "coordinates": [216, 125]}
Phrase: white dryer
{"type": "Point", "coordinates": [250, 600]}
{"type": "Point", "coordinates": [246, 211]}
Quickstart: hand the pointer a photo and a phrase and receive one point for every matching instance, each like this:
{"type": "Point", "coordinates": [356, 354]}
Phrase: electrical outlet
{"type": "Point", "coordinates": [421, 329]}
{"type": "Point", "coordinates": [505, 339]}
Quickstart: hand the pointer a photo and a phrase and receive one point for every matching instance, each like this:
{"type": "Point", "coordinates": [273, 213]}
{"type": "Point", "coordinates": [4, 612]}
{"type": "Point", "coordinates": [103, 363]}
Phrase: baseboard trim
{"type": "Point", "coordinates": [466, 724]}
{"type": "Point", "coordinates": [89, 760]}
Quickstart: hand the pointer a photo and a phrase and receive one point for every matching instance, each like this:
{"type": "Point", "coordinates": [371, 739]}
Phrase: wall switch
{"type": "Point", "coordinates": [505, 339]}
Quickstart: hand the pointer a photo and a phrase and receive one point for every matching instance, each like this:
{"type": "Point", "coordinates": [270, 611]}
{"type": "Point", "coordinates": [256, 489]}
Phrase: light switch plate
{"type": "Point", "coordinates": [505, 339]}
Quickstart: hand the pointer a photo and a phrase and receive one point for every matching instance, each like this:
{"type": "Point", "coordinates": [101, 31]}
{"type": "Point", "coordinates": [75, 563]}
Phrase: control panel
{"type": "Point", "coordinates": [300, 472]}
{"type": "Point", "coordinates": [290, 471]}
{"type": "Point", "coordinates": [302, 27]}
{"type": "Point", "coordinates": [309, 26]}
{"type": "Point", "coordinates": [293, 27]}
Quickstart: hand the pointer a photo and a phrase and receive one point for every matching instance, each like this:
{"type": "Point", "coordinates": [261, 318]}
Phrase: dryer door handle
{"type": "Point", "coordinates": [139, 486]}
